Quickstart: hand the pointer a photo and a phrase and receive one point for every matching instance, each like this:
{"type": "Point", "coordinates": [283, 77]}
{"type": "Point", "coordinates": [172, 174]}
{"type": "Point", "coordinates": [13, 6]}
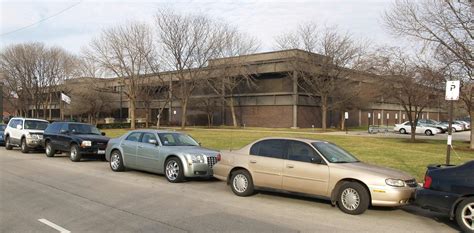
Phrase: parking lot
{"type": "Point", "coordinates": [89, 197]}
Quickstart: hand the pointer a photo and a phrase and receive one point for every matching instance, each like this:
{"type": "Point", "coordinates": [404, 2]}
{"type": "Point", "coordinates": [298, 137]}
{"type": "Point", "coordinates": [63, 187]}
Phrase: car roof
{"type": "Point", "coordinates": [153, 131]}
{"type": "Point", "coordinates": [23, 118]}
{"type": "Point", "coordinates": [307, 140]}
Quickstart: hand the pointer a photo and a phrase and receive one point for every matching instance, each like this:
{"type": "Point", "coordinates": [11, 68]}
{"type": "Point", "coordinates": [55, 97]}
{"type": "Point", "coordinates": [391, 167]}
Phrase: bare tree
{"type": "Point", "coordinates": [32, 72]}
{"type": "Point", "coordinates": [411, 82]}
{"type": "Point", "coordinates": [233, 70]}
{"type": "Point", "coordinates": [320, 75]}
{"type": "Point", "coordinates": [445, 27]}
{"type": "Point", "coordinates": [125, 51]}
{"type": "Point", "coordinates": [188, 42]}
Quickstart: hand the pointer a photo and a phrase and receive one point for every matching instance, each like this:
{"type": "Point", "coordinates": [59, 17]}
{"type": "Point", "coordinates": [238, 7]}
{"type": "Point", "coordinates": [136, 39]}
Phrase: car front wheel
{"type": "Point", "coordinates": [24, 147]}
{"type": "Point", "coordinates": [8, 145]}
{"type": "Point", "coordinates": [241, 183]}
{"type": "Point", "coordinates": [174, 170]}
{"type": "Point", "coordinates": [402, 131]}
{"type": "Point", "coordinates": [428, 133]}
{"type": "Point", "coordinates": [353, 198]}
{"type": "Point", "coordinates": [465, 215]}
{"type": "Point", "coordinates": [116, 161]}
{"type": "Point", "coordinates": [49, 150]}
{"type": "Point", "coordinates": [74, 153]}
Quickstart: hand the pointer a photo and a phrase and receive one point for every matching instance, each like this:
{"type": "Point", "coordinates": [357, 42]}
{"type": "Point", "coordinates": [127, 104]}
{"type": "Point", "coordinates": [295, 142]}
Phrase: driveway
{"type": "Point", "coordinates": [40, 194]}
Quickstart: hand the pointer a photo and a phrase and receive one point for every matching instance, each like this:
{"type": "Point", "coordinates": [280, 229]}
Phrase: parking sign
{"type": "Point", "coordinates": [452, 90]}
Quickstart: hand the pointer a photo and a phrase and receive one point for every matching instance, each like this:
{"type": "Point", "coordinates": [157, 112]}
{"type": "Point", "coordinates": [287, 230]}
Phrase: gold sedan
{"type": "Point", "coordinates": [315, 168]}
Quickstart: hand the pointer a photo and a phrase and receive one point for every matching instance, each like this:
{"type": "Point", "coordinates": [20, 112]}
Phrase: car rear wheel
{"type": "Point", "coordinates": [465, 215]}
{"type": "Point", "coordinates": [49, 150]}
{"type": "Point", "coordinates": [174, 170]}
{"type": "Point", "coordinates": [402, 131]}
{"type": "Point", "coordinates": [24, 147]}
{"type": "Point", "coordinates": [428, 133]}
{"type": "Point", "coordinates": [116, 161]}
{"type": "Point", "coordinates": [353, 198]}
{"type": "Point", "coordinates": [241, 183]}
{"type": "Point", "coordinates": [8, 145]}
{"type": "Point", "coordinates": [75, 154]}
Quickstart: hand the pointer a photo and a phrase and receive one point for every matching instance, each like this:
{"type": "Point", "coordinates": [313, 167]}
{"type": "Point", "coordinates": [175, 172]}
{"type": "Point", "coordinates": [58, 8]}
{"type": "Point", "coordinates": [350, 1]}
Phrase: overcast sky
{"type": "Point", "coordinates": [265, 19]}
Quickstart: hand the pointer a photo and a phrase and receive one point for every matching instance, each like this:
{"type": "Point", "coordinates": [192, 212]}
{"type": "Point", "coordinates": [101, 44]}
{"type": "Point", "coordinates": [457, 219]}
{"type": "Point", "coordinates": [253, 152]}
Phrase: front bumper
{"type": "Point", "coordinates": [198, 170]}
{"type": "Point", "coordinates": [391, 196]}
{"type": "Point", "coordinates": [34, 142]}
{"type": "Point", "coordinates": [93, 150]}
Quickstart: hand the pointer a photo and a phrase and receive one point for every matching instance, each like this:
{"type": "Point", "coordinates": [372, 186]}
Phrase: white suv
{"type": "Point", "coordinates": [25, 133]}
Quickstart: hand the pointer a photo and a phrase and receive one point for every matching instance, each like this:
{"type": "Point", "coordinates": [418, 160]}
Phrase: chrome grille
{"type": "Point", "coordinates": [411, 183]}
{"type": "Point", "coordinates": [211, 161]}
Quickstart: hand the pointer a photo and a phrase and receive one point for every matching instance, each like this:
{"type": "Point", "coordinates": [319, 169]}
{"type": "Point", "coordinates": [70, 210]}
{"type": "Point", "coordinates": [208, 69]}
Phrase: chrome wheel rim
{"type": "Point", "coordinates": [350, 199]}
{"type": "Point", "coordinates": [172, 170]}
{"type": "Point", "coordinates": [467, 216]}
{"type": "Point", "coordinates": [48, 149]}
{"type": "Point", "coordinates": [240, 183]}
{"type": "Point", "coordinates": [115, 161]}
{"type": "Point", "coordinates": [73, 153]}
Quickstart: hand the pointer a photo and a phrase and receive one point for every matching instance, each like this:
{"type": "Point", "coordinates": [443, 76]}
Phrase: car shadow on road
{"type": "Point", "coordinates": [440, 218]}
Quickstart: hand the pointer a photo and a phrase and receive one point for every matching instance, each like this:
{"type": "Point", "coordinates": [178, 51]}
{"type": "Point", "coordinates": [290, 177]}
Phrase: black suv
{"type": "Point", "coordinates": [450, 190]}
{"type": "Point", "coordinates": [76, 138]}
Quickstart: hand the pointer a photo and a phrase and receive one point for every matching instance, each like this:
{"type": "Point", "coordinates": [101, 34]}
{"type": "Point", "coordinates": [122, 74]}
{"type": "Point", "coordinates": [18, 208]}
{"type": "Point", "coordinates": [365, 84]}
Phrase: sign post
{"type": "Point", "coordinates": [346, 116]}
{"type": "Point", "coordinates": [452, 94]}
{"type": "Point", "coordinates": [368, 123]}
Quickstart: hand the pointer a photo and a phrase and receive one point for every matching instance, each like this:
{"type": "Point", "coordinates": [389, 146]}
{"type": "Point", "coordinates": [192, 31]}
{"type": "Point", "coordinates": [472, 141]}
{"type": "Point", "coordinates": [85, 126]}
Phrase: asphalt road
{"type": "Point", "coordinates": [89, 197]}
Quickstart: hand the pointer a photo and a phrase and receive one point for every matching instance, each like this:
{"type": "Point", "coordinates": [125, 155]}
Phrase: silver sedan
{"type": "Point", "coordinates": [174, 154]}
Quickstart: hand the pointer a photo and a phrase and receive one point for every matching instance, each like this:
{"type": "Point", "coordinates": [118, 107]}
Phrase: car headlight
{"type": "Point", "coordinates": [192, 158]}
{"type": "Point", "coordinates": [395, 182]}
{"type": "Point", "coordinates": [86, 144]}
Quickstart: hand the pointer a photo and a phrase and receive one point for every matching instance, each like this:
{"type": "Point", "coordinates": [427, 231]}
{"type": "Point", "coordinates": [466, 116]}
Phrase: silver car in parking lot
{"type": "Point", "coordinates": [174, 154]}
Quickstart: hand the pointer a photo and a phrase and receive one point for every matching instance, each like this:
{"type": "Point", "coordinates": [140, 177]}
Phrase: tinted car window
{"type": "Point", "coordinates": [32, 124]}
{"type": "Point", "coordinates": [274, 148]}
{"type": "Point", "coordinates": [299, 151]}
{"type": "Point", "coordinates": [83, 129]}
{"type": "Point", "coordinates": [176, 139]}
{"type": "Point", "coordinates": [134, 137]}
{"type": "Point", "coordinates": [147, 137]}
{"type": "Point", "coordinates": [53, 128]}
{"type": "Point", "coordinates": [2, 127]}
{"type": "Point", "coordinates": [64, 128]}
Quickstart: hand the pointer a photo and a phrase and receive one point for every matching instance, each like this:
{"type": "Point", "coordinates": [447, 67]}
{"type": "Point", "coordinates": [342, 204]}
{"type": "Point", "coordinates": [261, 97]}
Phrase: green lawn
{"type": "Point", "coordinates": [396, 153]}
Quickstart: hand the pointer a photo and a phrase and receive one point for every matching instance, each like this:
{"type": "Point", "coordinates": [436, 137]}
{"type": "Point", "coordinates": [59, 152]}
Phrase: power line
{"type": "Point", "coordinates": [42, 20]}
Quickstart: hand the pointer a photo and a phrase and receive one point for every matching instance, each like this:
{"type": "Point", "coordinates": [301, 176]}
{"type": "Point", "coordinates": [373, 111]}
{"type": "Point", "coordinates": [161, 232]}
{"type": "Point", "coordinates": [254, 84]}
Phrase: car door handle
{"type": "Point", "coordinates": [290, 166]}
{"type": "Point", "coordinates": [253, 161]}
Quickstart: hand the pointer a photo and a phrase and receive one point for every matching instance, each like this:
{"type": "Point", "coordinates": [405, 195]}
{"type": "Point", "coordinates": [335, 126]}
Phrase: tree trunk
{"type": "Point", "coordinates": [184, 105]}
{"type": "Point", "coordinates": [147, 116]}
{"type": "Point", "coordinates": [158, 121]}
{"type": "Point", "coordinates": [132, 113]}
{"type": "Point", "coordinates": [232, 111]}
{"type": "Point", "coordinates": [324, 112]}
{"type": "Point", "coordinates": [413, 132]}
{"type": "Point", "coordinates": [342, 120]}
{"type": "Point", "coordinates": [472, 129]}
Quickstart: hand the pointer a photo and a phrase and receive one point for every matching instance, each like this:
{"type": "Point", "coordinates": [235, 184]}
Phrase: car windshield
{"type": "Point", "coordinates": [176, 139]}
{"type": "Point", "coordinates": [83, 129]}
{"type": "Point", "coordinates": [2, 127]}
{"type": "Point", "coordinates": [39, 125]}
{"type": "Point", "coordinates": [334, 153]}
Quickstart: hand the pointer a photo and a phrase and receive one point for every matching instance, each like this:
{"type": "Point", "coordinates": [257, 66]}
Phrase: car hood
{"type": "Point", "coordinates": [375, 170]}
{"type": "Point", "coordinates": [92, 137]}
{"type": "Point", "coordinates": [192, 150]}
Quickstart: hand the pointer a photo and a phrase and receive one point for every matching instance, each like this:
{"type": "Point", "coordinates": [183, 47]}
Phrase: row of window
{"type": "Point", "coordinates": [282, 149]}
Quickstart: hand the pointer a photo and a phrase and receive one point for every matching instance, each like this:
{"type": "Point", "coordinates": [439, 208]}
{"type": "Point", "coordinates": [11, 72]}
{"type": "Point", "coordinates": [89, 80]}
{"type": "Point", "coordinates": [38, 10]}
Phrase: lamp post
{"type": "Point", "coordinates": [386, 120]}
{"type": "Point", "coordinates": [346, 116]}
{"type": "Point", "coordinates": [368, 122]}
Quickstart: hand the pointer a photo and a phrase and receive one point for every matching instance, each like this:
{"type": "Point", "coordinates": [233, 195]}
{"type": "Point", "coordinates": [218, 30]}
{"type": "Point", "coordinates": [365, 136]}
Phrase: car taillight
{"type": "Point", "coordinates": [218, 157]}
{"type": "Point", "coordinates": [427, 183]}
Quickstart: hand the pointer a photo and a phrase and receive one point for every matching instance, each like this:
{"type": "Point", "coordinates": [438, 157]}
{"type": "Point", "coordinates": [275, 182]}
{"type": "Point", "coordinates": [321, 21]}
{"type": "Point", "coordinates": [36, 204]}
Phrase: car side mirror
{"type": "Point", "coordinates": [153, 141]}
{"type": "Point", "coordinates": [19, 127]}
{"type": "Point", "coordinates": [103, 133]}
{"type": "Point", "coordinates": [316, 160]}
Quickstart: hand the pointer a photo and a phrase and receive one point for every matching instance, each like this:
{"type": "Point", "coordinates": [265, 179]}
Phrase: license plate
{"type": "Point", "coordinates": [101, 152]}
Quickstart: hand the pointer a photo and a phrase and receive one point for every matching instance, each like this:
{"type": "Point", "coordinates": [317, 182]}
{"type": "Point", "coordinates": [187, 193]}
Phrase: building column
{"type": "Point", "coordinates": [295, 100]}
